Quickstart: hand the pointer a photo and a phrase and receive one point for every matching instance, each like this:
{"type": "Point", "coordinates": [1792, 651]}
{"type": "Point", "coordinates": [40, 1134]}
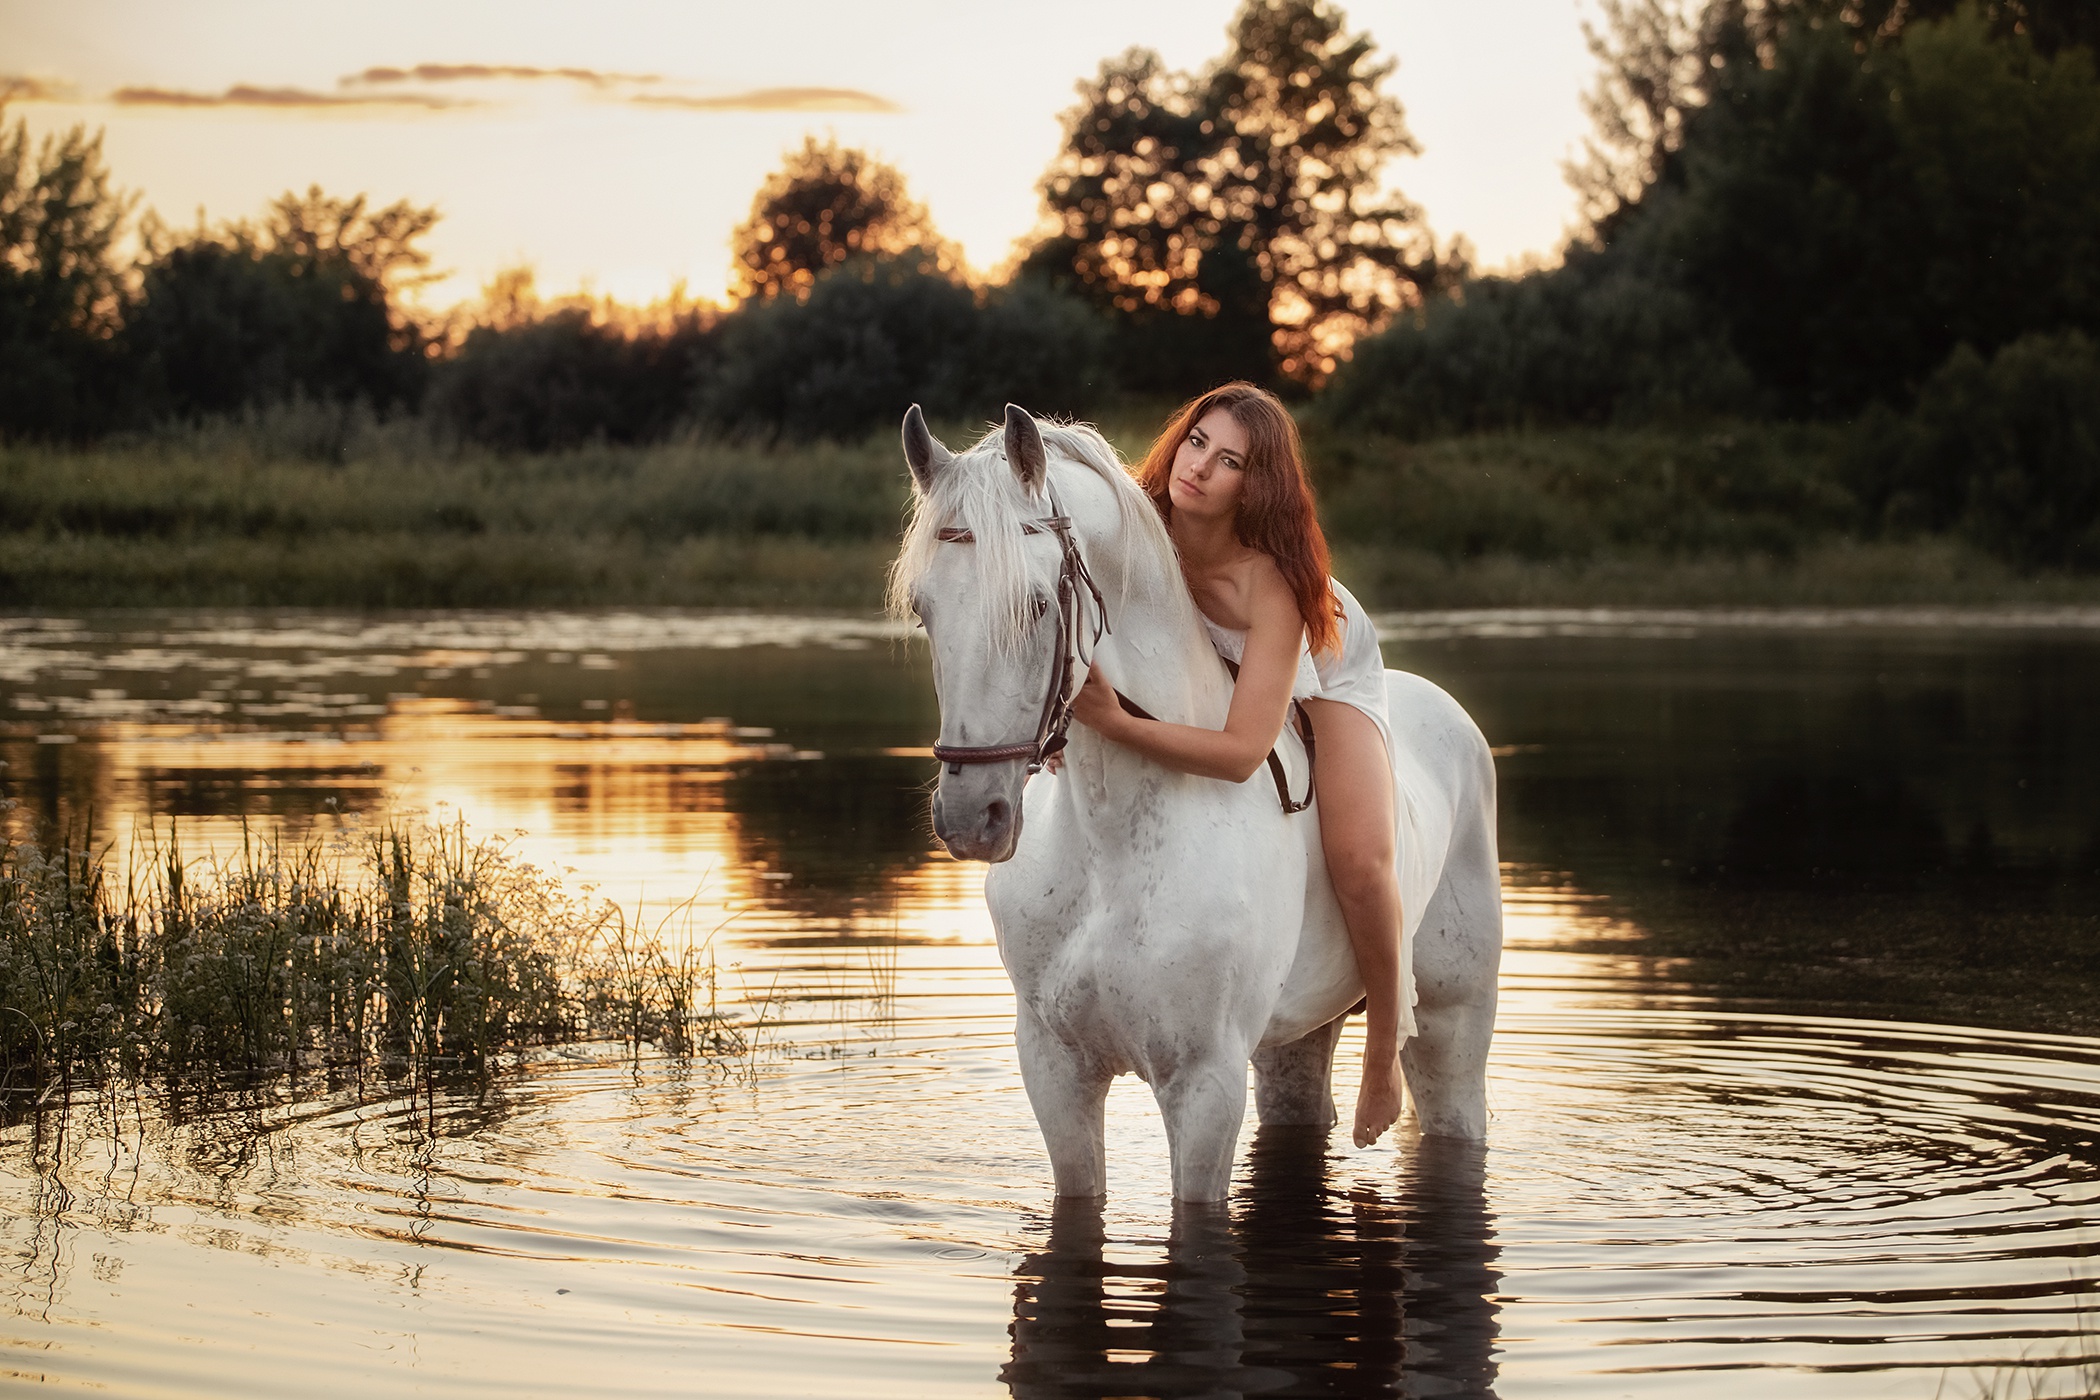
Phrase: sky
{"type": "Point", "coordinates": [625, 174]}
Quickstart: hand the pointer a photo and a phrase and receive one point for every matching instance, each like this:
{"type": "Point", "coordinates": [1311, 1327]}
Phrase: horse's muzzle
{"type": "Point", "coordinates": [976, 819]}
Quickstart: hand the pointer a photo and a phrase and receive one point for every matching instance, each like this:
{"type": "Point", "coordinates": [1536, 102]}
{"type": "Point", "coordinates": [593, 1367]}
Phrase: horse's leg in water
{"type": "Point", "coordinates": [1203, 1100]}
{"type": "Point", "coordinates": [1458, 957]}
{"type": "Point", "coordinates": [1354, 776]}
{"type": "Point", "coordinates": [1291, 1082]}
{"type": "Point", "coordinates": [1067, 1093]}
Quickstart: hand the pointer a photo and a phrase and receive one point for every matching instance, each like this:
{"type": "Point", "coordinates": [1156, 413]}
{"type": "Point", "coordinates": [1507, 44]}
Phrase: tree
{"type": "Point", "coordinates": [1653, 60]}
{"type": "Point", "coordinates": [1661, 60]}
{"type": "Point", "coordinates": [537, 378]}
{"type": "Point", "coordinates": [880, 334]}
{"type": "Point", "coordinates": [1247, 196]}
{"type": "Point", "coordinates": [300, 305]}
{"type": "Point", "coordinates": [1851, 216]}
{"type": "Point", "coordinates": [826, 204]}
{"type": "Point", "coordinates": [61, 286]}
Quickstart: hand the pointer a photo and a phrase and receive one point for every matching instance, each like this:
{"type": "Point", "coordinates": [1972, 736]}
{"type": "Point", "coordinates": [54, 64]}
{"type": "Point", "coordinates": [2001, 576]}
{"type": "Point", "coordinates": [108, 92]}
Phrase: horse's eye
{"type": "Point", "coordinates": [1037, 608]}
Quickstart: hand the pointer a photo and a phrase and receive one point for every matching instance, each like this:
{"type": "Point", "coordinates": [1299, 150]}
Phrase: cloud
{"type": "Point", "coordinates": [20, 87]}
{"type": "Point", "coordinates": [784, 99]}
{"type": "Point", "coordinates": [775, 99]}
{"type": "Point", "coordinates": [458, 72]}
{"type": "Point", "coordinates": [280, 97]}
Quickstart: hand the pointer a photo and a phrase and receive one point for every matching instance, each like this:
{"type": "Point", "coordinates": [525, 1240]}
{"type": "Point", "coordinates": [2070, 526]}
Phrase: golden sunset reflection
{"type": "Point", "coordinates": [634, 812]}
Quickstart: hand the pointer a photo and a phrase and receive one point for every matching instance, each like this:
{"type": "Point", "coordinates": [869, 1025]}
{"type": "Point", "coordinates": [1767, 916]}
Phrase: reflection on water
{"type": "Point", "coordinates": [1708, 1173]}
{"type": "Point", "coordinates": [1372, 1291]}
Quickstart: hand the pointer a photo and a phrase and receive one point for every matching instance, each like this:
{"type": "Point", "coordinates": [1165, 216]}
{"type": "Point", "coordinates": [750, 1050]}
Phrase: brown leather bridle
{"type": "Point", "coordinates": [1056, 718]}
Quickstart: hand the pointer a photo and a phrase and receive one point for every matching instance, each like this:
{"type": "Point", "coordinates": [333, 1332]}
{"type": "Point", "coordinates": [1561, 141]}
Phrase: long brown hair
{"type": "Point", "coordinates": [1276, 501]}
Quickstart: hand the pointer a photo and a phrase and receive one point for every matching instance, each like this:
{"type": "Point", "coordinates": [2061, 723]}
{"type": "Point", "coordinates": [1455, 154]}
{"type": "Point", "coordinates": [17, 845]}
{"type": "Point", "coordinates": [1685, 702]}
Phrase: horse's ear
{"type": "Point", "coordinates": [922, 450]}
{"type": "Point", "coordinates": [1024, 447]}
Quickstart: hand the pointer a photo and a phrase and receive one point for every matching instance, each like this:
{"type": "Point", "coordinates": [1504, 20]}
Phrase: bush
{"type": "Point", "coordinates": [225, 323]}
{"type": "Point", "coordinates": [2006, 450]}
{"type": "Point", "coordinates": [1593, 341]}
{"type": "Point", "coordinates": [876, 336]}
{"type": "Point", "coordinates": [566, 379]}
{"type": "Point", "coordinates": [1582, 494]}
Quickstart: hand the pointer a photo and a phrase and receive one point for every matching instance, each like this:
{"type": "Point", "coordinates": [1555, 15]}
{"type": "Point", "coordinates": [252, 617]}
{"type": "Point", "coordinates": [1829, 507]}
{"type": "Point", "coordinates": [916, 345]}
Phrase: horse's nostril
{"type": "Point", "coordinates": [995, 817]}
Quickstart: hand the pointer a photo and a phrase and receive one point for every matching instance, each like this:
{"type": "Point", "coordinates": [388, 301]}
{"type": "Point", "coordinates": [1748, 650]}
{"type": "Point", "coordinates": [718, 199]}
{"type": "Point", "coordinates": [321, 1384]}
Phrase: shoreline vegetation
{"type": "Point", "coordinates": [318, 505]}
{"type": "Point", "coordinates": [399, 953]}
{"type": "Point", "coordinates": [1825, 333]}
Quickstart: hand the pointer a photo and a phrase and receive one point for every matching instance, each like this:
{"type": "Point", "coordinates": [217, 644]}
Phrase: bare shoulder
{"type": "Point", "coordinates": [1272, 609]}
{"type": "Point", "coordinates": [1269, 596]}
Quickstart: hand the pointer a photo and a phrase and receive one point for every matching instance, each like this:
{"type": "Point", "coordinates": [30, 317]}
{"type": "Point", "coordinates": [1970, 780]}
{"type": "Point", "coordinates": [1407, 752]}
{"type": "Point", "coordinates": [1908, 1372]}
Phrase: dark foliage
{"type": "Point", "coordinates": [1659, 66]}
{"type": "Point", "coordinates": [1850, 219]}
{"type": "Point", "coordinates": [1817, 233]}
{"type": "Point", "coordinates": [566, 379]}
{"type": "Point", "coordinates": [1596, 341]}
{"type": "Point", "coordinates": [875, 336]}
{"type": "Point", "coordinates": [1579, 494]}
{"type": "Point", "coordinates": [300, 307]}
{"type": "Point", "coordinates": [61, 286]}
{"type": "Point", "coordinates": [2007, 450]}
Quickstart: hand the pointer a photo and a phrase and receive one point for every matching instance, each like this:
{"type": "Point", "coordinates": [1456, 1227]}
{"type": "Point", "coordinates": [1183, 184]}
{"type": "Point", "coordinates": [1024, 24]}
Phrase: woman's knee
{"type": "Point", "coordinates": [1361, 868]}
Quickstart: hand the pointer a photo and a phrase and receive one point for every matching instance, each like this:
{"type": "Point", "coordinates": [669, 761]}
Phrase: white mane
{"type": "Point", "coordinates": [979, 492]}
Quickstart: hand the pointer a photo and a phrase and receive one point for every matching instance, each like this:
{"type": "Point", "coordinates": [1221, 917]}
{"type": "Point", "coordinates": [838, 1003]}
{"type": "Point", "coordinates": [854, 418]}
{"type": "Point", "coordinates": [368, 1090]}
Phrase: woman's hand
{"type": "Point", "coordinates": [1095, 705]}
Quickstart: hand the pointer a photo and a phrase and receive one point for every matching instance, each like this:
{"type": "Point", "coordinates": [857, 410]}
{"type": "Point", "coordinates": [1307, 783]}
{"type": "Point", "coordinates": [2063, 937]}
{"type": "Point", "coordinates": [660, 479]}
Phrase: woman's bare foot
{"type": "Point", "coordinates": [1378, 1100]}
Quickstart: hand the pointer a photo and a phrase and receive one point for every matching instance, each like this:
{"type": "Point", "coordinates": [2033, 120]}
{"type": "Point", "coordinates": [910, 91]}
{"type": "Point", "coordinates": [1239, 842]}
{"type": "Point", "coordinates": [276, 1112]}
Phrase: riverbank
{"type": "Point", "coordinates": [305, 509]}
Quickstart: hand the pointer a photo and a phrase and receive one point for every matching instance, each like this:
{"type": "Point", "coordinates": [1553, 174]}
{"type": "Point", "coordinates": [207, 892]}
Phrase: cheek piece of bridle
{"type": "Point", "coordinates": [1056, 719]}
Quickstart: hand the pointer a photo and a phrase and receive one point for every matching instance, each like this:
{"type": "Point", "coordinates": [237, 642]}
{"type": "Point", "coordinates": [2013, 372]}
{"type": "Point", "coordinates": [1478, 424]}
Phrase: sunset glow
{"type": "Point", "coordinates": [613, 147]}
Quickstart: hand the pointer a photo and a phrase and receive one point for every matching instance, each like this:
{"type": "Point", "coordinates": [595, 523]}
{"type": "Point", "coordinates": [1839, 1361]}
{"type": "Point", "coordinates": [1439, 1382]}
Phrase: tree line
{"type": "Point", "coordinates": [1875, 214]}
{"type": "Point", "coordinates": [1207, 225]}
{"type": "Point", "coordinates": [1880, 213]}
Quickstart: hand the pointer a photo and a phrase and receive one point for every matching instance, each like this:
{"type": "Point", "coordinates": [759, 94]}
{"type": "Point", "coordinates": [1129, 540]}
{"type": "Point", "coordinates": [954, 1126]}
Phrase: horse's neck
{"type": "Point", "coordinates": [1157, 651]}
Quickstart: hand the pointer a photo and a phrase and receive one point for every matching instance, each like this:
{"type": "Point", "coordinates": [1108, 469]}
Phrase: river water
{"type": "Point", "coordinates": [1796, 1086]}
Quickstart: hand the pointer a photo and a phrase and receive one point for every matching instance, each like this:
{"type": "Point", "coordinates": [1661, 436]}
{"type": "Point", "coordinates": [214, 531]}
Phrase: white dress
{"type": "Point", "coordinates": [1354, 673]}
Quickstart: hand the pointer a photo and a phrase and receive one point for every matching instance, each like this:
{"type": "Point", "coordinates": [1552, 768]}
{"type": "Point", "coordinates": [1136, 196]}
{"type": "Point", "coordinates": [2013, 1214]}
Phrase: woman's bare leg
{"type": "Point", "coordinates": [1354, 778]}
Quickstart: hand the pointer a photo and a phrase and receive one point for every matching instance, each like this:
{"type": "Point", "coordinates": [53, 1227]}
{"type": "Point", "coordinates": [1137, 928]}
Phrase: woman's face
{"type": "Point", "coordinates": [1209, 467]}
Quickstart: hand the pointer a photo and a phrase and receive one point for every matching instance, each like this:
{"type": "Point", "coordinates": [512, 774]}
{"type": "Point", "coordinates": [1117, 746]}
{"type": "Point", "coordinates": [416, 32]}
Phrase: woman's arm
{"type": "Point", "coordinates": [1260, 699]}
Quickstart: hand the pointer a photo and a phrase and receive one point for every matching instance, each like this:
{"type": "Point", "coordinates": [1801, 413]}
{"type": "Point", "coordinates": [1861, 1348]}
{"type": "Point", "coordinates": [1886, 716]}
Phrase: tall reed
{"type": "Point", "coordinates": [406, 948]}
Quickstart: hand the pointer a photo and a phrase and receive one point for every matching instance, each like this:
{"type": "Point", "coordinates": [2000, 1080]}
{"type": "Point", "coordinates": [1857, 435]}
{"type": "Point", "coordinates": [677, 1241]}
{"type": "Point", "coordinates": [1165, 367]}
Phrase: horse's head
{"type": "Point", "coordinates": [985, 590]}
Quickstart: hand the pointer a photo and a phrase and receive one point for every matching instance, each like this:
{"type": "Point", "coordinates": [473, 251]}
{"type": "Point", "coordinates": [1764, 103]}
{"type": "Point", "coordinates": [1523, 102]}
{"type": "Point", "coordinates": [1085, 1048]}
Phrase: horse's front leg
{"type": "Point", "coordinates": [1203, 1101]}
{"type": "Point", "coordinates": [1067, 1091]}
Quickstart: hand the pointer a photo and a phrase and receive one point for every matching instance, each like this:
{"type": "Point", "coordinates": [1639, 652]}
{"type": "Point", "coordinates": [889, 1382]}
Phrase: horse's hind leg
{"type": "Point", "coordinates": [1458, 958]}
{"type": "Point", "coordinates": [1067, 1093]}
{"type": "Point", "coordinates": [1291, 1082]}
{"type": "Point", "coordinates": [1203, 1102]}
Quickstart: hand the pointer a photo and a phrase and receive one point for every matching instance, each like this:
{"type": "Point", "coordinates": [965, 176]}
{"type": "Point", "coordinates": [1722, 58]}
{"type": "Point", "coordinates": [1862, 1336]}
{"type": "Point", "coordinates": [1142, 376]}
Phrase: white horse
{"type": "Point", "coordinates": [1152, 922]}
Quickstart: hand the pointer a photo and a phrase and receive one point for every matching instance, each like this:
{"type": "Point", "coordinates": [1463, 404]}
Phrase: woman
{"type": "Point", "coordinates": [1228, 476]}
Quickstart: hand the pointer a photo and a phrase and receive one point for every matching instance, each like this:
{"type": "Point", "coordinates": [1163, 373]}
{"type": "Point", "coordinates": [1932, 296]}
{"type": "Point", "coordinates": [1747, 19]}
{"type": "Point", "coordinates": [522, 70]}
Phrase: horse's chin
{"type": "Point", "coordinates": [992, 852]}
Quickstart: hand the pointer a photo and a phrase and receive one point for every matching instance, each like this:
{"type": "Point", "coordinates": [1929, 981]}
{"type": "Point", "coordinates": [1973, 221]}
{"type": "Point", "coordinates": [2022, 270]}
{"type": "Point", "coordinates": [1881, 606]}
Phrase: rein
{"type": "Point", "coordinates": [1056, 719]}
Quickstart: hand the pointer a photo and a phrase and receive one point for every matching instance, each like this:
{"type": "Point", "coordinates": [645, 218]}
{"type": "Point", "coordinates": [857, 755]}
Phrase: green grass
{"type": "Point", "coordinates": [403, 949]}
{"type": "Point", "coordinates": [308, 506]}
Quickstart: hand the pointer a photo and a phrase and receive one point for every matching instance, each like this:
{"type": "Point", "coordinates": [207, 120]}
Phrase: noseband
{"type": "Point", "coordinates": [1056, 719]}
